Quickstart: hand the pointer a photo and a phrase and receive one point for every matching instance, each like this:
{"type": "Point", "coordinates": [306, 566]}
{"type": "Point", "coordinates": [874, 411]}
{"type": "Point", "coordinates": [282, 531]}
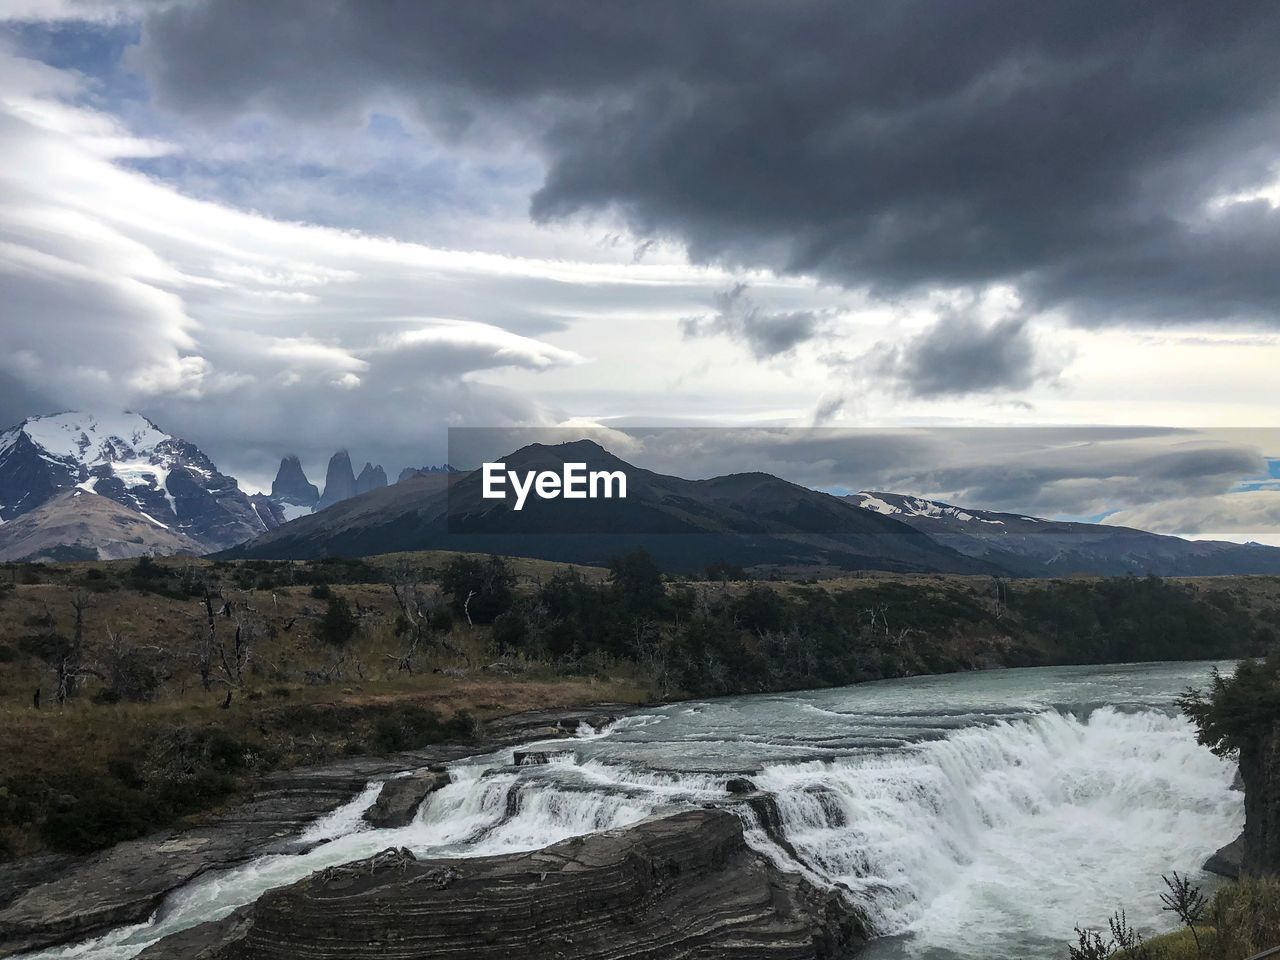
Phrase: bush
{"type": "Point", "coordinates": [1238, 708]}
{"type": "Point", "coordinates": [480, 588]}
{"type": "Point", "coordinates": [339, 623]}
{"type": "Point", "coordinates": [100, 812]}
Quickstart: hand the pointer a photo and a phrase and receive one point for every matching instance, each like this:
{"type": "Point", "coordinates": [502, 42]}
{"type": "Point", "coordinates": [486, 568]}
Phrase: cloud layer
{"type": "Point", "coordinates": [1115, 167]}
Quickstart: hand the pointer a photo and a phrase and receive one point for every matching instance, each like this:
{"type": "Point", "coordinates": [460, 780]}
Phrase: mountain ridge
{"type": "Point", "coordinates": [1035, 546]}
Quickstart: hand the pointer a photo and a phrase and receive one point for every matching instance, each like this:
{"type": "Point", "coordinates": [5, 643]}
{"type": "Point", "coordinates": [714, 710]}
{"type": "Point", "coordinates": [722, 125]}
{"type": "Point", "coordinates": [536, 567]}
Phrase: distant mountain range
{"type": "Point", "coordinates": [1031, 546]}
{"type": "Point", "coordinates": [81, 486]}
{"type": "Point", "coordinates": [751, 519]}
{"type": "Point", "coordinates": [298, 496]}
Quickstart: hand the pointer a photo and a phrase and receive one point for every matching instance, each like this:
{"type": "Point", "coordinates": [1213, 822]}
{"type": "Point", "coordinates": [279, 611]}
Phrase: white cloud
{"type": "Point", "coordinates": [1246, 515]}
{"type": "Point", "coordinates": [250, 334]}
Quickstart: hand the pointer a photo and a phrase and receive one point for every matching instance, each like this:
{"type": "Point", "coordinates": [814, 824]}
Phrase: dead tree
{"type": "Point", "coordinates": [418, 605]}
{"type": "Point", "coordinates": [131, 671]}
{"type": "Point", "coordinates": [207, 644]}
{"type": "Point", "coordinates": [71, 663]}
{"type": "Point", "coordinates": [241, 650]}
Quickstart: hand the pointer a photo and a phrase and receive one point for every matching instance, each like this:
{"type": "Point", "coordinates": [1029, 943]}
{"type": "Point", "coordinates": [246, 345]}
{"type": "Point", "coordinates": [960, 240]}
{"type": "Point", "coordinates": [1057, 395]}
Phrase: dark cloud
{"type": "Point", "coordinates": [892, 144]}
{"type": "Point", "coordinates": [960, 355]}
{"type": "Point", "coordinates": [767, 334]}
{"type": "Point", "coordinates": [19, 400]}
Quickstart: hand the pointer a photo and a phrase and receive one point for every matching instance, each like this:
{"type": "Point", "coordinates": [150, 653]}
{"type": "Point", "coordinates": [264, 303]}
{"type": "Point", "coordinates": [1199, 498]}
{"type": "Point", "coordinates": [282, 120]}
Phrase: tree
{"type": "Point", "coordinates": [639, 581]}
{"type": "Point", "coordinates": [1237, 709]}
{"type": "Point", "coordinates": [338, 624]}
{"type": "Point", "coordinates": [481, 587]}
{"type": "Point", "coordinates": [70, 664]}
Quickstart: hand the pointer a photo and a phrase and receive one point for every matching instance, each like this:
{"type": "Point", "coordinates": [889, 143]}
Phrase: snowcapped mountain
{"type": "Point", "coordinates": [129, 460]}
{"type": "Point", "coordinates": [1033, 546]}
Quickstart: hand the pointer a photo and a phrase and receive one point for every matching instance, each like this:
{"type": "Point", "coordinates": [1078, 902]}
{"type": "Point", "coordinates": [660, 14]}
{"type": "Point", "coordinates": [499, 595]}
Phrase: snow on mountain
{"type": "Point", "coordinates": [1034, 546]}
{"type": "Point", "coordinates": [896, 504]}
{"type": "Point", "coordinates": [126, 458]}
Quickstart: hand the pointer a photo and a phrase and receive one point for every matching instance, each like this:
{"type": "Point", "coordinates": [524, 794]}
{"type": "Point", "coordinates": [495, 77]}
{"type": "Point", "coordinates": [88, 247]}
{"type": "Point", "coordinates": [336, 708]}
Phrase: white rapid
{"type": "Point", "coordinates": [981, 827]}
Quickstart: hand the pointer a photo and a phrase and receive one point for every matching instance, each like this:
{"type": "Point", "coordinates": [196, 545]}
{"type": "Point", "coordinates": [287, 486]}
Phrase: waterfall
{"type": "Point", "coordinates": [978, 832]}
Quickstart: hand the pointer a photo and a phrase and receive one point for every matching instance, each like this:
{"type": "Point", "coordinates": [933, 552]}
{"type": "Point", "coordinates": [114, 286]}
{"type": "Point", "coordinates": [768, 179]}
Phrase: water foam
{"type": "Point", "coordinates": [1043, 823]}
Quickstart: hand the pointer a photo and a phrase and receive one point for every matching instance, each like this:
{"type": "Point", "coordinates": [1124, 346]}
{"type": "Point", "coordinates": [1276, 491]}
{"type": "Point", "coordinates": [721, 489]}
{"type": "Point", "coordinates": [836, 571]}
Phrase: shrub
{"type": "Point", "coordinates": [481, 588]}
{"type": "Point", "coordinates": [338, 623]}
{"type": "Point", "coordinates": [1237, 708]}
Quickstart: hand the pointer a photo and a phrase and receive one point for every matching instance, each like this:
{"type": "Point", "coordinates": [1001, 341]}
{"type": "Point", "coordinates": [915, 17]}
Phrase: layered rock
{"type": "Point", "coordinates": [674, 887]}
{"type": "Point", "coordinates": [292, 486]}
{"type": "Point", "coordinates": [339, 481]}
{"type": "Point", "coordinates": [399, 799]}
{"type": "Point", "coordinates": [76, 525]}
{"type": "Point", "coordinates": [371, 478]}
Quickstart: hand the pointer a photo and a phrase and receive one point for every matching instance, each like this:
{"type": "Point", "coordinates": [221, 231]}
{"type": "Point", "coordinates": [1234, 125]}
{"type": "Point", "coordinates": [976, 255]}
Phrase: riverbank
{"type": "Point", "coordinates": [46, 900]}
{"type": "Point", "coordinates": [896, 794]}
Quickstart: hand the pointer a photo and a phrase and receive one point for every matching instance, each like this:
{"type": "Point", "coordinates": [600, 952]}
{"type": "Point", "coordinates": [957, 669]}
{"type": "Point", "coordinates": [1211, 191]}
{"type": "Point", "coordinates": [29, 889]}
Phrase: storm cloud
{"type": "Point", "coordinates": [960, 354]}
{"type": "Point", "coordinates": [1113, 164]}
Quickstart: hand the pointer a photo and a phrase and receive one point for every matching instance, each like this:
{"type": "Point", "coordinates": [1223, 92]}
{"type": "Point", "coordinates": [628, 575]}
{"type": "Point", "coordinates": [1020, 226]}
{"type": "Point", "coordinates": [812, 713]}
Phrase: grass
{"type": "Point", "coordinates": [1243, 919]}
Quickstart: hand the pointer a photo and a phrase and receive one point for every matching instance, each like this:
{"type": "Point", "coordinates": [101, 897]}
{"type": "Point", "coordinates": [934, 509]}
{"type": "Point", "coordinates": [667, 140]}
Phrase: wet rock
{"type": "Point", "coordinates": [1226, 862]}
{"type": "Point", "coordinates": [1260, 770]}
{"type": "Point", "coordinates": [126, 883]}
{"type": "Point", "coordinates": [677, 887]}
{"type": "Point", "coordinates": [740, 786]}
{"type": "Point", "coordinates": [18, 876]}
{"type": "Point", "coordinates": [534, 758]}
{"type": "Point", "coordinates": [400, 798]}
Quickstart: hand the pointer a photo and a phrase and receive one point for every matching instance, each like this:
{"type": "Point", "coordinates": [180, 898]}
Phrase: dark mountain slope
{"type": "Point", "coordinates": [745, 519]}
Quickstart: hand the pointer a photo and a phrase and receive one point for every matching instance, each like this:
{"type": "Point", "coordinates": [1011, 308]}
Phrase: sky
{"type": "Point", "coordinates": [290, 227]}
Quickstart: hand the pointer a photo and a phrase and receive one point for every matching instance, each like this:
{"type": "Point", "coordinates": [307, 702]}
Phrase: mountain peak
{"type": "Point", "coordinates": [339, 480]}
{"type": "Point", "coordinates": [571, 451]}
{"type": "Point", "coordinates": [291, 484]}
{"type": "Point", "coordinates": [86, 437]}
{"type": "Point", "coordinates": [128, 459]}
{"type": "Point", "coordinates": [371, 478]}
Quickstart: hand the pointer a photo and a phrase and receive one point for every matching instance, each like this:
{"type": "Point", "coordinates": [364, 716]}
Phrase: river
{"type": "Point", "coordinates": [976, 816]}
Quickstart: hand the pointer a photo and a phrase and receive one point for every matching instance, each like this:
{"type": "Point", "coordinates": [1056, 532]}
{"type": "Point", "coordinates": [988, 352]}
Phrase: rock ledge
{"type": "Point", "coordinates": [675, 887]}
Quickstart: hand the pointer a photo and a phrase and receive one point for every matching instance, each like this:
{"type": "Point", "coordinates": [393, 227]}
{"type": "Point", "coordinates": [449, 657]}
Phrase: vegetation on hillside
{"type": "Point", "coordinates": [1238, 708]}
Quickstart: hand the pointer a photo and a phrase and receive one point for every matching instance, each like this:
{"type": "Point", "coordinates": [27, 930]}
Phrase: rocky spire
{"type": "Point", "coordinates": [339, 480]}
{"type": "Point", "coordinates": [371, 478]}
{"type": "Point", "coordinates": [292, 486]}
